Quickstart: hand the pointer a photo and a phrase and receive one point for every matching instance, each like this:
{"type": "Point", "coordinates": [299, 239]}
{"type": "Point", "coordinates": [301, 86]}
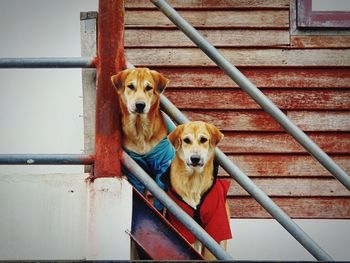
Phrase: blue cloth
{"type": "Point", "coordinates": [156, 163]}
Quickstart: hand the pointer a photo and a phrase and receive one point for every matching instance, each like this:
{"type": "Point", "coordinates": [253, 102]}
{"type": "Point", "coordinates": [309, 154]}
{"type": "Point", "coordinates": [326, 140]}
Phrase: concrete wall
{"type": "Point", "coordinates": [60, 216]}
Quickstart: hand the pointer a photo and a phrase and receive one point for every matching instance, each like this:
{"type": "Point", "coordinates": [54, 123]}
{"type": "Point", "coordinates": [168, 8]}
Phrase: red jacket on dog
{"type": "Point", "coordinates": [210, 213]}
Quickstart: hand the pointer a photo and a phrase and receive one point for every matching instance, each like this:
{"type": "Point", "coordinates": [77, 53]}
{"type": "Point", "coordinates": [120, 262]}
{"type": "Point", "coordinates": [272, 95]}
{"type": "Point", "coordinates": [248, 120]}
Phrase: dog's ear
{"type": "Point", "coordinates": [118, 79]}
{"type": "Point", "coordinates": [215, 134]}
{"type": "Point", "coordinates": [175, 136]}
{"type": "Point", "coordinates": [160, 81]}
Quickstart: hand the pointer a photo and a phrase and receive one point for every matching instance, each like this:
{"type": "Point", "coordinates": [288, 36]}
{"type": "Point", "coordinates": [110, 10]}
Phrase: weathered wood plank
{"type": "Point", "coordinates": [254, 142]}
{"type": "Point", "coordinates": [217, 4]}
{"type": "Point", "coordinates": [301, 77]}
{"type": "Point", "coordinates": [278, 165]}
{"type": "Point", "coordinates": [321, 120]}
{"type": "Point", "coordinates": [256, 120]}
{"type": "Point", "coordinates": [219, 38]}
{"type": "Point", "coordinates": [219, 18]}
{"type": "Point", "coordinates": [325, 207]}
{"type": "Point", "coordinates": [294, 187]}
{"type": "Point", "coordinates": [320, 41]}
{"type": "Point", "coordinates": [240, 57]}
{"type": "Point", "coordinates": [237, 99]}
{"type": "Point", "coordinates": [235, 120]}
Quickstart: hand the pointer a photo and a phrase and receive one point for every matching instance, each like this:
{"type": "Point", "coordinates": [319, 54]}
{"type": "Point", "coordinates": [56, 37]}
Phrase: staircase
{"type": "Point", "coordinates": [306, 77]}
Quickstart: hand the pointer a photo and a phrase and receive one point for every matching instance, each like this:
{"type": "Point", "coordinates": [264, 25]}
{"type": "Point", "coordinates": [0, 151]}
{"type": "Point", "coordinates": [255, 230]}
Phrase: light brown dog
{"type": "Point", "coordinates": [144, 129]}
{"type": "Point", "coordinates": [194, 185]}
{"type": "Point", "coordinates": [142, 123]}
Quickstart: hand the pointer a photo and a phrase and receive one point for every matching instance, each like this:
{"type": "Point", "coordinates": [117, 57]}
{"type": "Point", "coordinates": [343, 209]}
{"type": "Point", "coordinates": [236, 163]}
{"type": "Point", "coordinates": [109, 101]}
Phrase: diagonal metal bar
{"type": "Point", "coordinates": [155, 235]}
{"type": "Point", "coordinates": [182, 216]}
{"type": "Point", "coordinates": [269, 107]}
{"type": "Point", "coordinates": [244, 83]}
{"type": "Point", "coordinates": [260, 196]}
{"type": "Point", "coordinates": [50, 62]}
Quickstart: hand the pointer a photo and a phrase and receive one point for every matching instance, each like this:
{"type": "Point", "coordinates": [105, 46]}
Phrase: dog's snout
{"type": "Point", "coordinates": [140, 106]}
{"type": "Point", "coordinates": [195, 159]}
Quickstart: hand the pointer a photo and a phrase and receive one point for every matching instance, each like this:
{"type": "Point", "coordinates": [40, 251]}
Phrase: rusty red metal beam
{"type": "Point", "coordinates": [110, 59]}
{"type": "Point", "coordinates": [155, 236]}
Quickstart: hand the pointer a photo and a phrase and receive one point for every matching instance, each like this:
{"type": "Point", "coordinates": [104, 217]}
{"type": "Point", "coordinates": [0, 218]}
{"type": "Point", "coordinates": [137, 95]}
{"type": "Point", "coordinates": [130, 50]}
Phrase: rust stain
{"type": "Point", "coordinates": [110, 59]}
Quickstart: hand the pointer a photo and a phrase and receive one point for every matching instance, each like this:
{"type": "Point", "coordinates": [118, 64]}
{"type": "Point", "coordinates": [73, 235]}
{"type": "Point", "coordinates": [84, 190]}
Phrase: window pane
{"type": "Point", "coordinates": [327, 5]}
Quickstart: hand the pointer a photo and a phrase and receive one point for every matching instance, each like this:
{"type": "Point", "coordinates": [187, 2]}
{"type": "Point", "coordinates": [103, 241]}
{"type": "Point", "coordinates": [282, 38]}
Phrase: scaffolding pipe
{"type": "Point", "coordinates": [244, 83]}
{"type": "Point", "coordinates": [182, 216]}
{"type": "Point", "coordinates": [46, 159]}
{"type": "Point", "coordinates": [171, 112]}
{"type": "Point", "coordinates": [52, 62]}
{"type": "Point", "coordinates": [259, 195]}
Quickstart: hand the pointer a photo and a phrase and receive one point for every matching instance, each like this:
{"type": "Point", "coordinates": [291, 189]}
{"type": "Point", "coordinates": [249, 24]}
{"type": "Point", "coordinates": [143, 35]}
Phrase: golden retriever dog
{"type": "Point", "coordinates": [194, 185]}
{"type": "Point", "coordinates": [144, 129]}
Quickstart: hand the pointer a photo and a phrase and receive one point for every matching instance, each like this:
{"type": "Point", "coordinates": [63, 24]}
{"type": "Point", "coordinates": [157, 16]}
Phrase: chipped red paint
{"type": "Point", "coordinates": [110, 59]}
{"type": "Point", "coordinates": [156, 236]}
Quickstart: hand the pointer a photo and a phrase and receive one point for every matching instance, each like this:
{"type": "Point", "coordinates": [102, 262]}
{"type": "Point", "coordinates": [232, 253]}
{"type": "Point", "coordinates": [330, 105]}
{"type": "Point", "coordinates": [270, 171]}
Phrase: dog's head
{"type": "Point", "coordinates": [139, 88]}
{"type": "Point", "coordinates": [195, 142]}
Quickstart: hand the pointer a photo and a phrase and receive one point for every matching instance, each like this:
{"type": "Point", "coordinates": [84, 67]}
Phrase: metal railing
{"type": "Point", "coordinates": [179, 118]}
{"type": "Point", "coordinates": [47, 62]}
{"type": "Point", "coordinates": [269, 107]}
{"type": "Point", "coordinates": [139, 173]}
{"type": "Point", "coordinates": [84, 159]}
{"type": "Point", "coordinates": [244, 83]}
{"type": "Point", "coordinates": [46, 159]}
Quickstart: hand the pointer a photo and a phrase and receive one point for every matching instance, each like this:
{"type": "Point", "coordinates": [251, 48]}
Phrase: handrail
{"type": "Point", "coordinates": [46, 159]}
{"type": "Point", "coordinates": [264, 200]}
{"type": "Point", "coordinates": [244, 83]}
{"type": "Point", "coordinates": [270, 108]}
{"type": "Point", "coordinates": [48, 62]}
{"type": "Point", "coordinates": [260, 196]}
{"type": "Point", "coordinates": [135, 169]}
{"type": "Point", "coordinates": [182, 216]}
{"type": "Point", "coordinates": [241, 178]}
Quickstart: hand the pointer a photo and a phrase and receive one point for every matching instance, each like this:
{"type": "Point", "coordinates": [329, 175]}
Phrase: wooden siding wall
{"type": "Point", "coordinates": [308, 77]}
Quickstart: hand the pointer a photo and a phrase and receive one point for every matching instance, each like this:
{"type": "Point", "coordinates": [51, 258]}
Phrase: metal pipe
{"type": "Point", "coordinates": [266, 104]}
{"type": "Point", "coordinates": [260, 196]}
{"type": "Point", "coordinates": [182, 216]}
{"type": "Point", "coordinates": [73, 62]}
{"type": "Point", "coordinates": [46, 159]}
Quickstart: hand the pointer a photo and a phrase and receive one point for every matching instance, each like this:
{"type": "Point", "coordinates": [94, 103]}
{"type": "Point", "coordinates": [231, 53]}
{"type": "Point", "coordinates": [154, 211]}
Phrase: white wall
{"type": "Point", "coordinates": [257, 239]}
{"type": "Point", "coordinates": [40, 112]}
{"type": "Point", "coordinates": [41, 109]}
{"type": "Point", "coordinates": [61, 216]}
{"type": "Point", "coordinates": [43, 217]}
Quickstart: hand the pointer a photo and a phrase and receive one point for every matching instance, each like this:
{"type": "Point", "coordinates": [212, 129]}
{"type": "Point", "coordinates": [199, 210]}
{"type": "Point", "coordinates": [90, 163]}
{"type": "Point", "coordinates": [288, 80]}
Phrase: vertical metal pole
{"type": "Point", "coordinates": [110, 59]}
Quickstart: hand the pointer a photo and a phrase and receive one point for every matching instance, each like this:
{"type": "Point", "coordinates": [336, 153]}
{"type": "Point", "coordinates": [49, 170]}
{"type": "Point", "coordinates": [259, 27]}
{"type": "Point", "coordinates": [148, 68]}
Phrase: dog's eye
{"type": "Point", "coordinates": [131, 86]}
{"type": "Point", "coordinates": [186, 140]}
{"type": "Point", "coordinates": [203, 140]}
{"type": "Point", "coordinates": [148, 88]}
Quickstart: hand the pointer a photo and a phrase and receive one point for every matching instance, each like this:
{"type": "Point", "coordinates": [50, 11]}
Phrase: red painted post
{"type": "Point", "coordinates": [110, 59]}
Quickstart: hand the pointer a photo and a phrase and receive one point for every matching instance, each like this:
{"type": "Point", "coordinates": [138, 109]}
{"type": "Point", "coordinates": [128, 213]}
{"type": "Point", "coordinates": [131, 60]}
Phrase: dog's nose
{"type": "Point", "coordinates": [140, 106]}
{"type": "Point", "coordinates": [195, 159]}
